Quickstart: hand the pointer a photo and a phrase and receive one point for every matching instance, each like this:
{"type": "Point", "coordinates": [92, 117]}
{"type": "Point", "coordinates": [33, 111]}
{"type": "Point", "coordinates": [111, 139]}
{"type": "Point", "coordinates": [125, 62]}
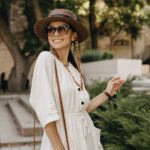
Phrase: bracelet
{"type": "Point", "coordinates": [109, 96]}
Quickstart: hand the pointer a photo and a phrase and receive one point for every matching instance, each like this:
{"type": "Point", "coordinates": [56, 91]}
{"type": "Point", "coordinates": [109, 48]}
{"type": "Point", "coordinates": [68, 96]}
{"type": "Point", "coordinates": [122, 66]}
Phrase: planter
{"type": "Point", "coordinates": [100, 70]}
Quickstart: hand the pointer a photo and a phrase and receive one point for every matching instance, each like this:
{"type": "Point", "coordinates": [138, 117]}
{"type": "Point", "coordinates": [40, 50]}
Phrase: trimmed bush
{"type": "Point", "coordinates": [90, 55]}
{"type": "Point", "coordinates": [124, 122]}
{"type": "Point", "coordinates": [93, 55]}
{"type": "Point", "coordinates": [107, 55]}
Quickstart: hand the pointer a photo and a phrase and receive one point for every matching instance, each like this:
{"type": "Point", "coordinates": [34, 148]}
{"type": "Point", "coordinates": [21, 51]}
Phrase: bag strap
{"type": "Point", "coordinates": [62, 112]}
{"type": "Point", "coordinates": [34, 140]}
{"type": "Point", "coordinates": [61, 105]}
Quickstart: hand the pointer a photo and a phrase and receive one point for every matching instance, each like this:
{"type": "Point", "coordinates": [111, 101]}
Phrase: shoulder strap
{"type": "Point", "coordinates": [62, 111]}
{"type": "Point", "coordinates": [34, 140]}
{"type": "Point", "coordinates": [61, 105]}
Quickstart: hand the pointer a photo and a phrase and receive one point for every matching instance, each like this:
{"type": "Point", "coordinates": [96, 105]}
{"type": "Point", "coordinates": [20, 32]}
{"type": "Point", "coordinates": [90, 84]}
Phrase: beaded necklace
{"type": "Point", "coordinates": [66, 65]}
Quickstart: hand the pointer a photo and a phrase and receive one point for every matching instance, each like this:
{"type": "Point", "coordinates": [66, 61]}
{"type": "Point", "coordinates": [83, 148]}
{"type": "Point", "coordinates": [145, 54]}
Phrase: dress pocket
{"type": "Point", "coordinates": [97, 133]}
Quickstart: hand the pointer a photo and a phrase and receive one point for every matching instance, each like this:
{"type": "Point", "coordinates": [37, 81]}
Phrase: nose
{"type": "Point", "coordinates": [56, 33]}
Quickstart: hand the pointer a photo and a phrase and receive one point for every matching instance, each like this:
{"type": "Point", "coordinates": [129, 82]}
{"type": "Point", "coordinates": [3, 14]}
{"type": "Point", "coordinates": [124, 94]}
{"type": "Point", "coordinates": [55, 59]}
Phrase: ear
{"type": "Point", "coordinates": [74, 36]}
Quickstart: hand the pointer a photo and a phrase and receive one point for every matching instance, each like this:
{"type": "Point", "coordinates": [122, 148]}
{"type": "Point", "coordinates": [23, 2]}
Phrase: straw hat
{"type": "Point", "coordinates": [63, 15]}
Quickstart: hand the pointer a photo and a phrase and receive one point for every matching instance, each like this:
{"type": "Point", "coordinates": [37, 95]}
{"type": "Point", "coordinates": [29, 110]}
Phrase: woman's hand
{"type": "Point", "coordinates": [114, 85]}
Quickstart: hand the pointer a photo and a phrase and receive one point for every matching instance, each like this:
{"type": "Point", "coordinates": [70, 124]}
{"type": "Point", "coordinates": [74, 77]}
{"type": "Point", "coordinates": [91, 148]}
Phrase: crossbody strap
{"type": "Point", "coordinates": [62, 112]}
{"type": "Point", "coordinates": [34, 140]}
{"type": "Point", "coordinates": [61, 105]}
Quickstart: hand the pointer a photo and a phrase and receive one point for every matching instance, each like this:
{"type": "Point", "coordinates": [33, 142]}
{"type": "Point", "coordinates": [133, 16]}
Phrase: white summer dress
{"type": "Point", "coordinates": [82, 133]}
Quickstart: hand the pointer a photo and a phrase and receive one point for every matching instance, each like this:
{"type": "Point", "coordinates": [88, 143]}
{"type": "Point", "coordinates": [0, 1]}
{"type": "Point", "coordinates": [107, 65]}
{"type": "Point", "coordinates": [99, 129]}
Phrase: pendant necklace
{"type": "Point", "coordinates": [66, 66]}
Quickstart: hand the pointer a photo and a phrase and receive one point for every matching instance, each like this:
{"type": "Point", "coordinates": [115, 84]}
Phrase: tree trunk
{"type": "Point", "coordinates": [8, 39]}
{"type": "Point", "coordinates": [92, 24]}
{"type": "Point", "coordinates": [112, 39]}
{"type": "Point", "coordinates": [111, 44]}
{"type": "Point", "coordinates": [18, 76]}
{"type": "Point", "coordinates": [37, 10]}
{"type": "Point", "coordinates": [132, 48]}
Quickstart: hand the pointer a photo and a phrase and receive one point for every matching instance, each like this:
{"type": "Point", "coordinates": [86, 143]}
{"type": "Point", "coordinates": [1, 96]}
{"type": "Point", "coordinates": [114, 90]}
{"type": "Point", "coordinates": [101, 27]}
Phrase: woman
{"type": "Point", "coordinates": [62, 30]}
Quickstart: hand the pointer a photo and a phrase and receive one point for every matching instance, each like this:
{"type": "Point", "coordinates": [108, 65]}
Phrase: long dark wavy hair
{"type": "Point", "coordinates": [72, 60]}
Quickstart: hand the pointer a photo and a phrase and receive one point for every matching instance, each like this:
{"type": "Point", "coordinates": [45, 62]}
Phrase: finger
{"type": "Point", "coordinates": [115, 78]}
{"type": "Point", "coordinates": [117, 84]}
{"type": "Point", "coordinates": [118, 81]}
{"type": "Point", "coordinates": [116, 89]}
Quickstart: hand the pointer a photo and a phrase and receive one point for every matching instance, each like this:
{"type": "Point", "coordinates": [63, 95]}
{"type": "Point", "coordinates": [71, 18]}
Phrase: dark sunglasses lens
{"type": "Point", "coordinates": [50, 30]}
{"type": "Point", "coordinates": [62, 30]}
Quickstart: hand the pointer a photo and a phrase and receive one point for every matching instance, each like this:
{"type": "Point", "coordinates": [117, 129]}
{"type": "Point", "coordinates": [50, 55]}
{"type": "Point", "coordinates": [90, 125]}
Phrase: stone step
{"type": "Point", "coordinates": [24, 119]}
{"type": "Point", "coordinates": [10, 137]}
{"type": "Point", "coordinates": [24, 100]}
{"type": "Point", "coordinates": [141, 89]}
{"type": "Point", "coordinates": [20, 147]}
{"type": "Point", "coordinates": [16, 140]}
{"type": "Point", "coordinates": [145, 83]}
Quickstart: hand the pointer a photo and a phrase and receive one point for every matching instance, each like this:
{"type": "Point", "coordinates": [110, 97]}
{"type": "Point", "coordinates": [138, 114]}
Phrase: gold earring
{"type": "Point", "coordinates": [76, 45]}
{"type": "Point", "coordinates": [72, 47]}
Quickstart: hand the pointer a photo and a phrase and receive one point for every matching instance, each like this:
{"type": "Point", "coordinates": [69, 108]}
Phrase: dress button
{"type": "Point", "coordinates": [79, 89]}
{"type": "Point", "coordinates": [82, 102]}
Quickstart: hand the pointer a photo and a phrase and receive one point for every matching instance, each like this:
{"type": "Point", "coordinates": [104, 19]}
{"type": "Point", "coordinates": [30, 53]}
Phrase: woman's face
{"type": "Point", "coordinates": [60, 35]}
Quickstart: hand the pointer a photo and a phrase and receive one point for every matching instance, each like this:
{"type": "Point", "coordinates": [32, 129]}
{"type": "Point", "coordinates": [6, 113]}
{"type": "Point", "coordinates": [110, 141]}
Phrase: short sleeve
{"type": "Point", "coordinates": [41, 95]}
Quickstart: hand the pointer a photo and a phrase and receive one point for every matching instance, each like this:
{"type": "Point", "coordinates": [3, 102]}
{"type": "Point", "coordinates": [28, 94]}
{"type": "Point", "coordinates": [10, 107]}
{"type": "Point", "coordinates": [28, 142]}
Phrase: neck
{"type": "Point", "coordinates": [63, 55]}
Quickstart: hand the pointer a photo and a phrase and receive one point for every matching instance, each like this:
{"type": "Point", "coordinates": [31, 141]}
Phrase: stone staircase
{"type": "Point", "coordinates": [141, 85]}
{"type": "Point", "coordinates": [17, 124]}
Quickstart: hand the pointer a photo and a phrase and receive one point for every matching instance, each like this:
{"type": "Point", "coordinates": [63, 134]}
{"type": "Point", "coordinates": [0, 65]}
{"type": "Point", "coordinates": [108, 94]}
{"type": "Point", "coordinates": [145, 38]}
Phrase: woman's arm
{"type": "Point", "coordinates": [52, 133]}
{"type": "Point", "coordinates": [96, 101]}
{"type": "Point", "coordinates": [112, 87]}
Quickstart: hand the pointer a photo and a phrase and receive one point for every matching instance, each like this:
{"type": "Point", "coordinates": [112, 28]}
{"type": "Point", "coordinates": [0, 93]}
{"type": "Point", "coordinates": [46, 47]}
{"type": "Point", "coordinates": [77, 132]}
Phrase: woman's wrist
{"type": "Point", "coordinates": [109, 96]}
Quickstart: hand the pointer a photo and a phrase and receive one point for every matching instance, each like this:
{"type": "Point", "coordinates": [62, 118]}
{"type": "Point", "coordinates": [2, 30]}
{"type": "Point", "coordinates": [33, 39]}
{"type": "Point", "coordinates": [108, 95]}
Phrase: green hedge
{"type": "Point", "coordinates": [125, 122]}
{"type": "Point", "coordinates": [93, 55]}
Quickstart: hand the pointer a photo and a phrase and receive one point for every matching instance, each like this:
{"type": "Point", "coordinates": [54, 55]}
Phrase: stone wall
{"type": "Point", "coordinates": [100, 70]}
{"type": "Point", "coordinates": [6, 61]}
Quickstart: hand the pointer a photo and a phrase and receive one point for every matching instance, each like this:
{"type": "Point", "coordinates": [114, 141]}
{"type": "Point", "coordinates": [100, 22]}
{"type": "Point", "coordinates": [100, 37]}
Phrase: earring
{"type": "Point", "coordinates": [77, 49]}
{"type": "Point", "coordinates": [72, 47]}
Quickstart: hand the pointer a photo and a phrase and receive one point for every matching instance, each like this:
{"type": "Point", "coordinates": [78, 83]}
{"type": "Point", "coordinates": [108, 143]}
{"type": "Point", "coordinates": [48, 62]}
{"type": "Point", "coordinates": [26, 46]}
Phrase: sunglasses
{"type": "Point", "coordinates": [62, 30]}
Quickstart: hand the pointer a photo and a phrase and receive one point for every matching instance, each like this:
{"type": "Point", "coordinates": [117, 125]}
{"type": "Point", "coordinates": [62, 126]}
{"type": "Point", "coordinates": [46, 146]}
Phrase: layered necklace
{"type": "Point", "coordinates": [66, 65]}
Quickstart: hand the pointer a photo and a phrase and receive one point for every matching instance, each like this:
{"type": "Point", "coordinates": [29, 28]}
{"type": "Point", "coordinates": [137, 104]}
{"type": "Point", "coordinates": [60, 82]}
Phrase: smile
{"type": "Point", "coordinates": [57, 40]}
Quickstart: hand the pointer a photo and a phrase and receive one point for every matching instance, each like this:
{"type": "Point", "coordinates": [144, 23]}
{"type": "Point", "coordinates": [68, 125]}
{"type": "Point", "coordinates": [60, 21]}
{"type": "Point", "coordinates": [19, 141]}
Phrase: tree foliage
{"type": "Point", "coordinates": [24, 54]}
{"type": "Point", "coordinates": [32, 42]}
{"type": "Point", "coordinates": [124, 15]}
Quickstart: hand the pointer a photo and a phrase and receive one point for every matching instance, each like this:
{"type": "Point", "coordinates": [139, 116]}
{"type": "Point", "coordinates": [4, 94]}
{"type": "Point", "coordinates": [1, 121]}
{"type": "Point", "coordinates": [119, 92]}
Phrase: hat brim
{"type": "Point", "coordinates": [39, 27]}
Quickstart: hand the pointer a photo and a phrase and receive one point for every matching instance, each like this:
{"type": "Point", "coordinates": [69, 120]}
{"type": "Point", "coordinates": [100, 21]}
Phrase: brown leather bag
{"type": "Point", "coordinates": [62, 110]}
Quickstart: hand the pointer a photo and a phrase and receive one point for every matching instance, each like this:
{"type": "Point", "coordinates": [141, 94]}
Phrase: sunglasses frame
{"type": "Point", "coordinates": [59, 29]}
